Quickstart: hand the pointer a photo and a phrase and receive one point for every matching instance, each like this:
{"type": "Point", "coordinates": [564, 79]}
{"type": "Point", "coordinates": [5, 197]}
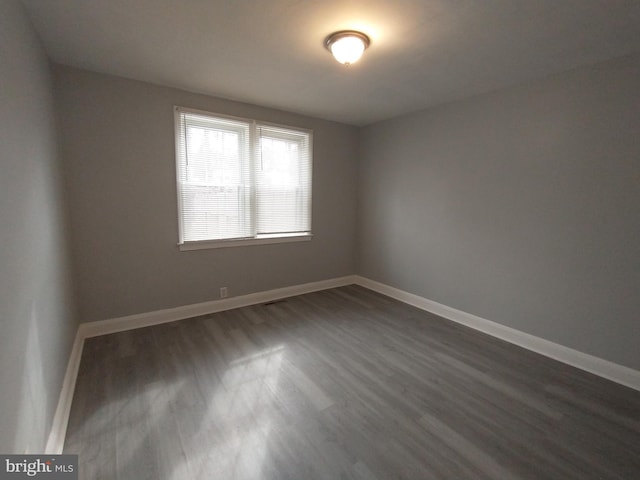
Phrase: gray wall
{"type": "Point", "coordinates": [37, 323]}
{"type": "Point", "coordinates": [521, 206]}
{"type": "Point", "coordinates": [118, 145]}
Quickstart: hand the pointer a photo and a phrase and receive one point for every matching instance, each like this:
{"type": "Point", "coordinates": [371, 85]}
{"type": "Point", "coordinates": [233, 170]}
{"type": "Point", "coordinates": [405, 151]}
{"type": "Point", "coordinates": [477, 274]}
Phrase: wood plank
{"type": "Point", "coordinates": [342, 383]}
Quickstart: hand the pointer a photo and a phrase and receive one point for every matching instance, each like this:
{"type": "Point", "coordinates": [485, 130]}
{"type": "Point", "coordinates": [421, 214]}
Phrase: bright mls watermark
{"type": "Point", "coordinates": [52, 467]}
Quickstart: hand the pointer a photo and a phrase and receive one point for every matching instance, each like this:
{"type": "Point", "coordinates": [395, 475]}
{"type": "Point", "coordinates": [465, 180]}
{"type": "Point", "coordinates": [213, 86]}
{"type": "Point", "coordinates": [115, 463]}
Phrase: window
{"type": "Point", "coordinates": [241, 181]}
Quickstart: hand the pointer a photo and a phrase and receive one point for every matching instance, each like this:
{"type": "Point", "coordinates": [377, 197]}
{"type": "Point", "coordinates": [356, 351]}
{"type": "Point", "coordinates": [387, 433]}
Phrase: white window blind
{"type": "Point", "coordinates": [283, 182]}
{"type": "Point", "coordinates": [240, 180]}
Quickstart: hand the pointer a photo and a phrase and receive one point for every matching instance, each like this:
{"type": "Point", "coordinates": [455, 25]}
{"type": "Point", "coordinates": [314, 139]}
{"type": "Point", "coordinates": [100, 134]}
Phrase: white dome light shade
{"type": "Point", "coordinates": [347, 46]}
{"type": "Point", "coordinates": [347, 50]}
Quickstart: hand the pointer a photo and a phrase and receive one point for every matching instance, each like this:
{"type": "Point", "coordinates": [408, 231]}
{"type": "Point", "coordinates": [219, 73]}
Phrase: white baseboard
{"type": "Point", "coordinates": [609, 370]}
{"type": "Point", "coordinates": [130, 322]}
{"type": "Point", "coordinates": [55, 442]}
{"type": "Point", "coordinates": [603, 368]}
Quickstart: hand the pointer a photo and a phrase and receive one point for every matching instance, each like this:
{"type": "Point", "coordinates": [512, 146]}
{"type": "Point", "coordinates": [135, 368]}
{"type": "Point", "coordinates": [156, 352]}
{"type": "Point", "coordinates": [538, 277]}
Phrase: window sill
{"type": "Point", "coordinates": [262, 240]}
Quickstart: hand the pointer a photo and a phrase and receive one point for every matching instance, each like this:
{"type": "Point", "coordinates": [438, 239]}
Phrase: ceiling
{"type": "Point", "coordinates": [270, 52]}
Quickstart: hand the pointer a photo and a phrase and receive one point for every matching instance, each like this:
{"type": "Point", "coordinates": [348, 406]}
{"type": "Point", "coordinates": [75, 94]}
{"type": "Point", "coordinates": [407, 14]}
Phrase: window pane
{"type": "Point", "coordinates": [215, 182]}
{"type": "Point", "coordinates": [283, 182]}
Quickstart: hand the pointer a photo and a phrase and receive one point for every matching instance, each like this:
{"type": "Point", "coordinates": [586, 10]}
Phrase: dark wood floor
{"type": "Point", "coordinates": [341, 384]}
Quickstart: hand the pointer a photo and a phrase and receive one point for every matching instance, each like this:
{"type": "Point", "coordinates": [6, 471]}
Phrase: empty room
{"type": "Point", "coordinates": [320, 239]}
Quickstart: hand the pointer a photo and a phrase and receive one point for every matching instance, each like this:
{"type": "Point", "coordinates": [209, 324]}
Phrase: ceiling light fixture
{"type": "Point", "coordinates": [347, 46]}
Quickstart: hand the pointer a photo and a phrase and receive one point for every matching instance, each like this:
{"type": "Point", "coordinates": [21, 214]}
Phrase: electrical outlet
{"type": "Point", "coordinates": [224, 292]}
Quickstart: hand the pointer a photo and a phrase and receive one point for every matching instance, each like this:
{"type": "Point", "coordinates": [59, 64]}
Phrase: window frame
{"type": "Point", "coordinates": [254, 139]}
